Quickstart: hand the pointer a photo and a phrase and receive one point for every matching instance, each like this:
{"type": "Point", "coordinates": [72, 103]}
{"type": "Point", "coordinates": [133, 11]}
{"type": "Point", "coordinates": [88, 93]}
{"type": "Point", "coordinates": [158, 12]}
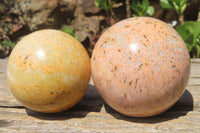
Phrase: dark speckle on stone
{"type": "Point", "coordinates": [115, 68]}
{"type": "Point", "coordinates": [173, 66]}
{"type": "Point", "coordinates": [130, 82]}
{"type": "Point", "coordinates": [124, 96]}
{"type": "Point", "coordinates": [26, 57]}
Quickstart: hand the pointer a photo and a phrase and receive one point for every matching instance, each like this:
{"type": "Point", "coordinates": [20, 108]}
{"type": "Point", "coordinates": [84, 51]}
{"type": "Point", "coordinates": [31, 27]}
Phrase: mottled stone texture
{"type": "Point", "coordinates": [48, 71]}
{"type": "Point", "coordinates": [140, 66]}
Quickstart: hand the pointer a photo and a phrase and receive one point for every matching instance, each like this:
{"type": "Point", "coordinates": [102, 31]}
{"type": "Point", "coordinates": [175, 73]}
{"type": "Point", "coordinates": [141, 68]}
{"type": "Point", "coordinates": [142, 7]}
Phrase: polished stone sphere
{"type": "Point", "coordinates": [48, 71]}
{"type": "Point", "coordinates": [140, 66]}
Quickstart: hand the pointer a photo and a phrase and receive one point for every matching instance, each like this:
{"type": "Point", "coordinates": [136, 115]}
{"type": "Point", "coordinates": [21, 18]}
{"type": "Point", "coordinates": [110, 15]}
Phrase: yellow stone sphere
{"type": "Point", "coordinates": [48, 71]}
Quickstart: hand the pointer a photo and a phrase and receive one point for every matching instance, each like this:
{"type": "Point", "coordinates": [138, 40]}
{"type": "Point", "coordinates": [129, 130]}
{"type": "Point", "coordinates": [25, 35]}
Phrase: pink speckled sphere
{"type": "Point", "coordinates": [140, 66]}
